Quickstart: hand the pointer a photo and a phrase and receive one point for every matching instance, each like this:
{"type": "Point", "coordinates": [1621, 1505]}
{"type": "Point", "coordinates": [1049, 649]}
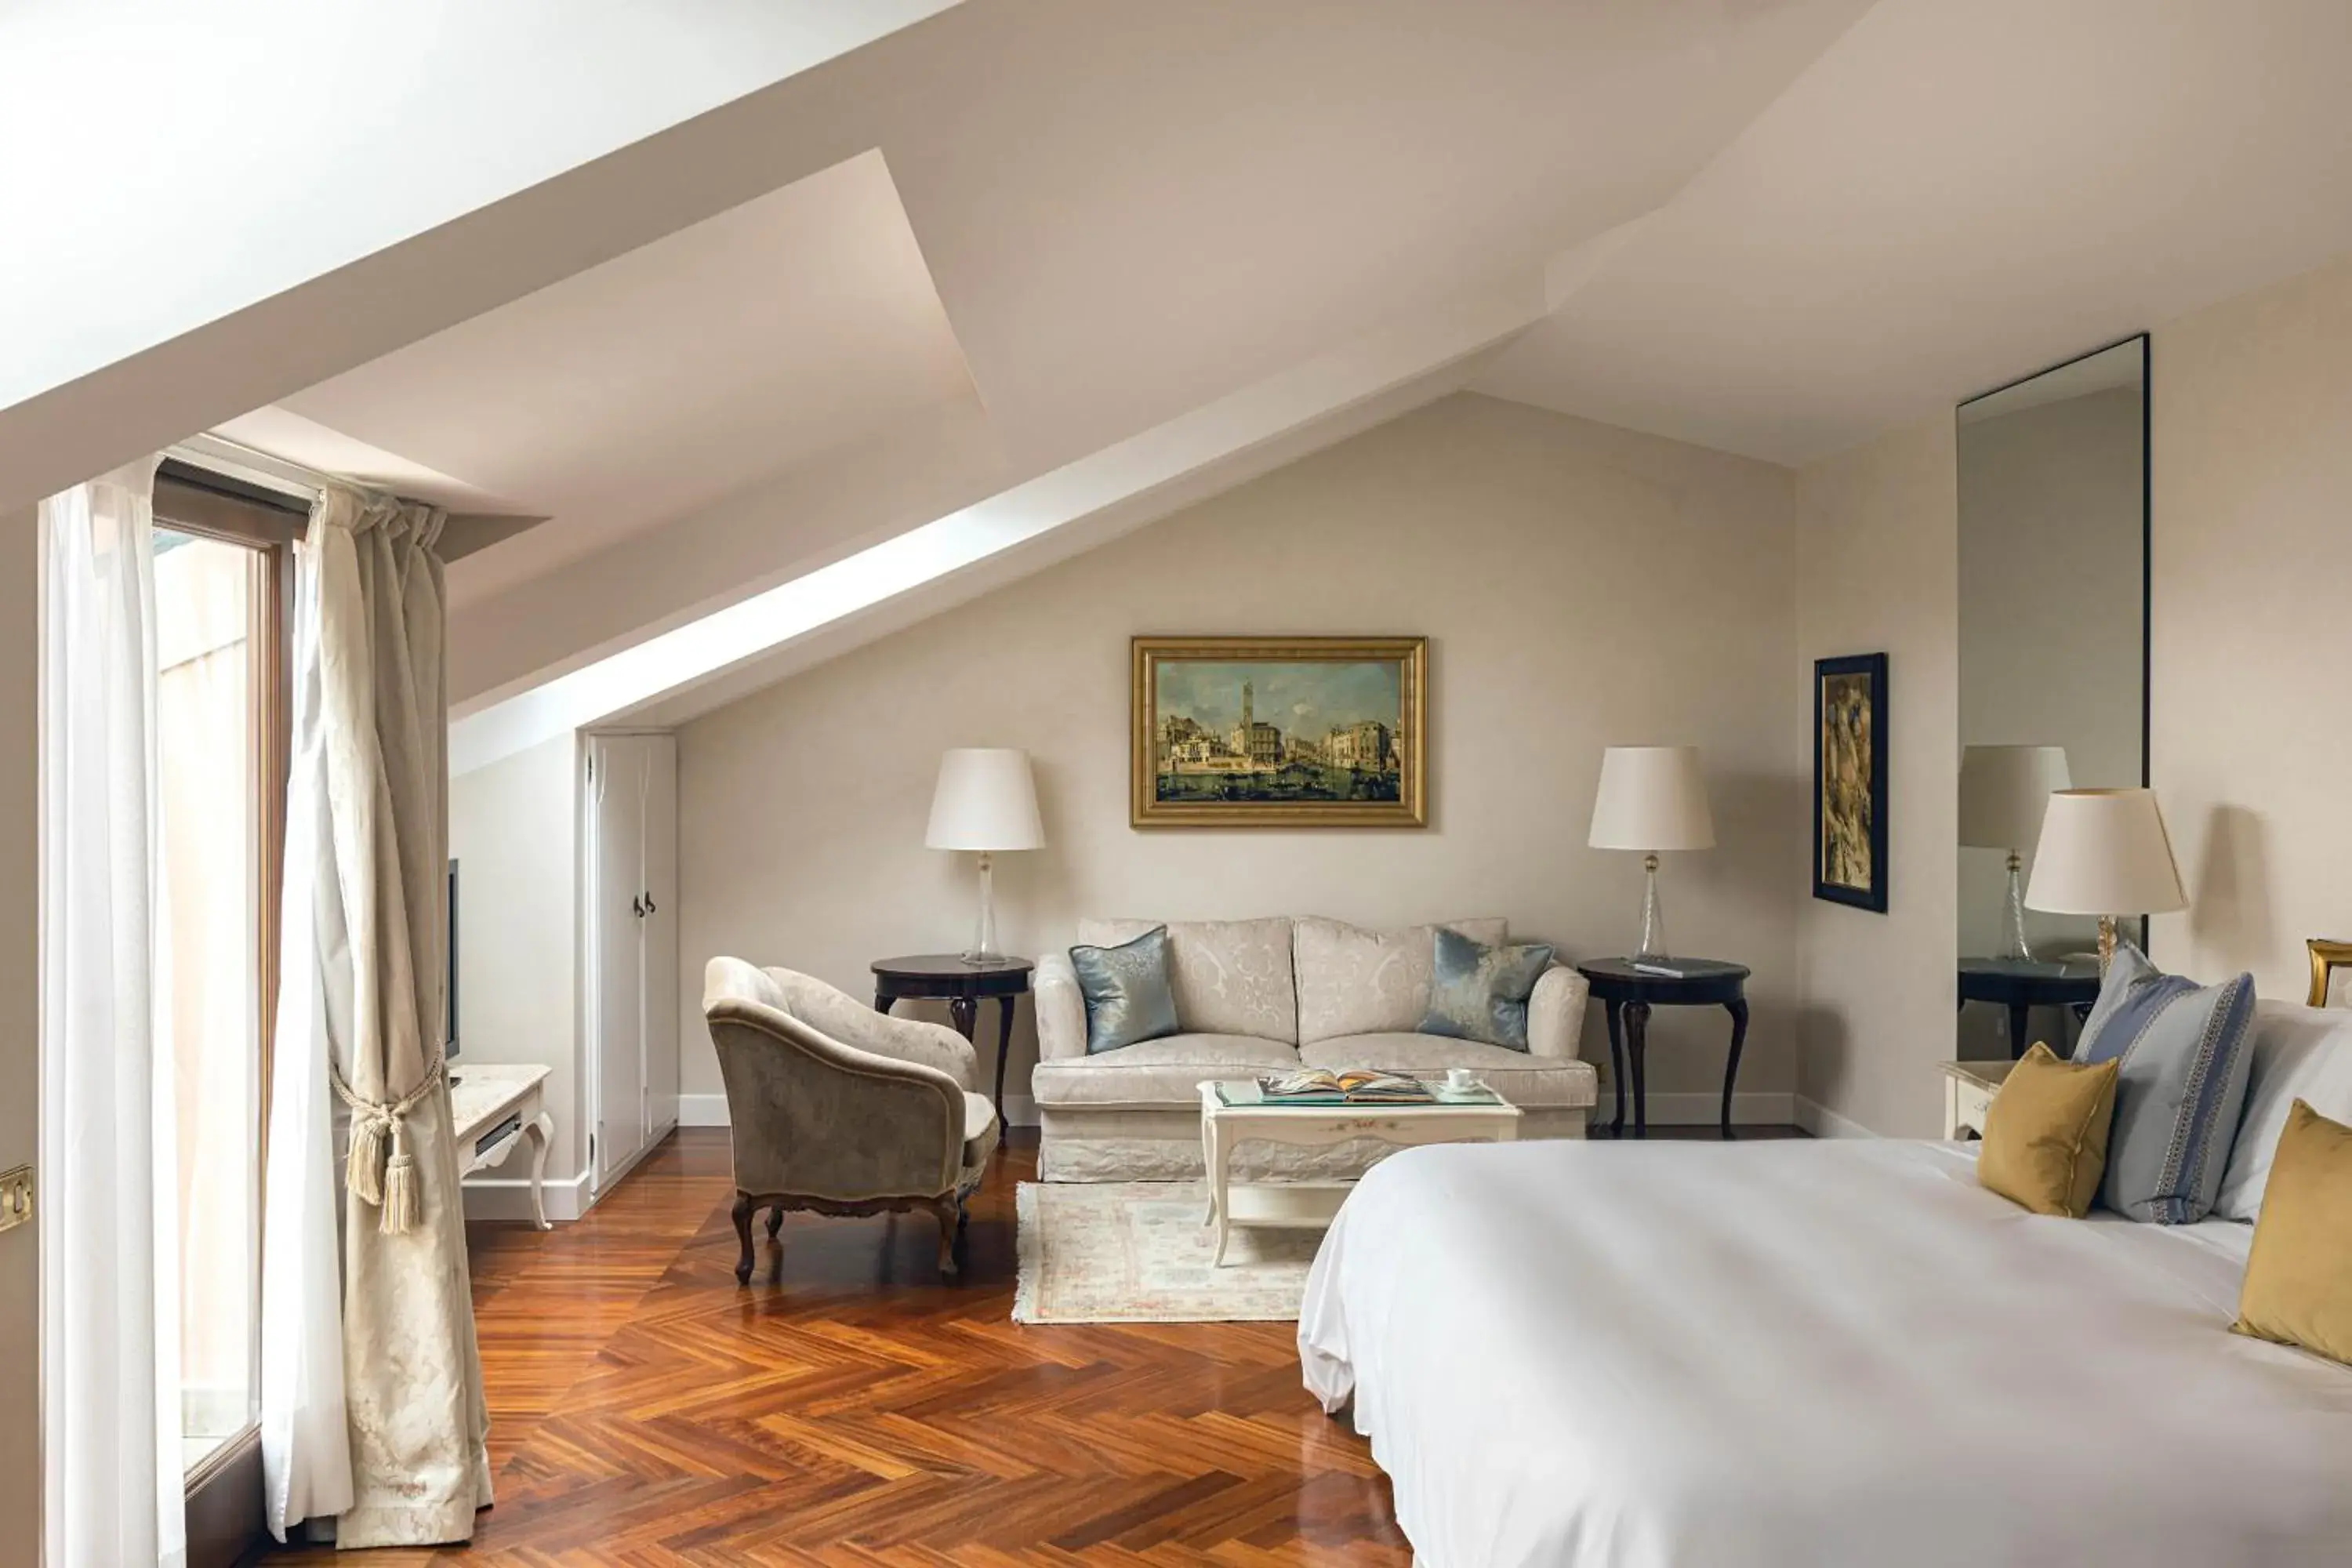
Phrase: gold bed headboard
{"type": "Point", "coordinates": [2326, 958]}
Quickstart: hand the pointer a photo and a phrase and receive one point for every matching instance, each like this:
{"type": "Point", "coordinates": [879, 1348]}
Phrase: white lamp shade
{"type": "Point", "coordinates": [2105, 852]}
{"type": "Point", "coordinates": [2004, 790]}
{"type": "Point", "coordinates": [986, 799]}
{"type": "Point", "coordinates": [1652, 798]}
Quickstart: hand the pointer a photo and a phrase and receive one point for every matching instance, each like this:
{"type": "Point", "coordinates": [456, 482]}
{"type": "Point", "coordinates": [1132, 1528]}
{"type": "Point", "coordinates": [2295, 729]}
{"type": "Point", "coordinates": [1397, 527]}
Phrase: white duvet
{"type": "Point", "coordinates": [1809, 1356]}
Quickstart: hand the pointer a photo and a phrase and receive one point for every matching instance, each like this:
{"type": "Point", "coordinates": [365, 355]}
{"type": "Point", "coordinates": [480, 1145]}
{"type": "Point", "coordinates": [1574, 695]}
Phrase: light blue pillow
{"type": "Point", "coordinates": [1127, 995]}
{"type": "Point", "coordinates": [2185, 1051]}
{"type": "Point", "coordinates": [1480, 993]}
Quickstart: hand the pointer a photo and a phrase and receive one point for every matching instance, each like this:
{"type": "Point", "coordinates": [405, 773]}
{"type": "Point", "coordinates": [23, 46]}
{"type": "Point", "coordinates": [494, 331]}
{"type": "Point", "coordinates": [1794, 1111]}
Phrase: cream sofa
{"type": "Point", "coordinates": [1266, 995]}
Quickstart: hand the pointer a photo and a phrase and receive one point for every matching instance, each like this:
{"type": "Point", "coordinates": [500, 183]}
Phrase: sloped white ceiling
{"type": "Point", "coordinates": [170, 164]}
{"type": "Point", "coordinates": [639, 391]}
{"type": "Point", "coordinates": [1127, 212]}
{"type": "Point", "coordinates": [1953, 196]}
{"type": "Point", "coordinates": [1019, 244]}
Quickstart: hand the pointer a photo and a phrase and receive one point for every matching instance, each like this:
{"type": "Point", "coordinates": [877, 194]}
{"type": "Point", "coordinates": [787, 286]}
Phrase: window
{"type": "Point", "coordinates": [220, 577]}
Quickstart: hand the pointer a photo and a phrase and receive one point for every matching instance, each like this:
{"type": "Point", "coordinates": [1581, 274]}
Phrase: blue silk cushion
{"type": "Point", "coordinates": [2183, 1052]}
{"type": "Point", "coordinates": [1129, 998]}
{"type": "Point", "coordinates": [1480, 991]}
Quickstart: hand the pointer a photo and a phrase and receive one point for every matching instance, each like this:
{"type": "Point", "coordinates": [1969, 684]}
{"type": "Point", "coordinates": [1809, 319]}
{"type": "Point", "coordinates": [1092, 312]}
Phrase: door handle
{"type": "Point", "coordinates": [649, 904]}
{"type": "Point", "coordinates": [637, 907]}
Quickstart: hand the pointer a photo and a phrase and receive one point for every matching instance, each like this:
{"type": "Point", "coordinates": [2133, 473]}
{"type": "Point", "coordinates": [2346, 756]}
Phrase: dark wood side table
{"type": "Point", "coordinates": [961, 983]}
{"type": "Point", "coordinates": [2022, 984]}
{"type": "Point", "coordinates": [1628, 993]}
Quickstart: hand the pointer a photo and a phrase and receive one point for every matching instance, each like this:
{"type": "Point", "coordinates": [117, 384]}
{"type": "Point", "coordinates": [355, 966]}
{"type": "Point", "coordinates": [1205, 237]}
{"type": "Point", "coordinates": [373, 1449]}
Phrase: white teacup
{"type": "Point", "coordinates": [1461, 1080]}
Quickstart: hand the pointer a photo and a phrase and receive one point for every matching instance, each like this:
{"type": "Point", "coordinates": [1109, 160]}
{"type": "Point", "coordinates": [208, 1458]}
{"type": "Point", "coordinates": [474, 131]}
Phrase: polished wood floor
{"type": "Point", "coordinates": [848, 1408]}
{"type": "Point", "coordinates": [852, 1409]}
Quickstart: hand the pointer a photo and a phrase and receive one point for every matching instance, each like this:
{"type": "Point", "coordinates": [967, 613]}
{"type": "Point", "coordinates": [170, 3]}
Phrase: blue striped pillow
{"type": "Point", "coordinates": [2184, 1051]}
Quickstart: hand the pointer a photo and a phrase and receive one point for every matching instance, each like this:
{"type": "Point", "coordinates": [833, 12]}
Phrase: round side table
{"type": "Point", "coordinates": [2022, 984]}
{"type": "Point", "coordinates": [961, 983]}
{"type": "Point", "coordinates": [1628, 993]}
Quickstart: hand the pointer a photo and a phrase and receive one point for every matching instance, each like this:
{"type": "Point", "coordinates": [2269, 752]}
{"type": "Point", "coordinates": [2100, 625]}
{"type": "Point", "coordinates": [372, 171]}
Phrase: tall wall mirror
{"type": "Point", "coordinates": [2054, 527]}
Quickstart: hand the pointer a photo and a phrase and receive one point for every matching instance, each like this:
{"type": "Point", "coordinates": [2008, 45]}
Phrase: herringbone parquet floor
{"type": "Point", "coordinates": [854, 1410]}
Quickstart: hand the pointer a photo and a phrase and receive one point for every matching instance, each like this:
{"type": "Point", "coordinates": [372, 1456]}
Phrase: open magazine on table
{"type": "Point", "coordinates": [1360, 1086]}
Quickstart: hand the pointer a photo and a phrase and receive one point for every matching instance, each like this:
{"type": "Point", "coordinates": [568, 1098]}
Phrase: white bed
{"type": "Point", "coordinates": [1835, 1354]}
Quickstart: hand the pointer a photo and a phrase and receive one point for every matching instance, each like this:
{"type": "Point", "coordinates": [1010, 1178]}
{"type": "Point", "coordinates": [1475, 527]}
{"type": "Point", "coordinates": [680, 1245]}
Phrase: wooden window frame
{"type": "Point", "coordinates": [224, 1491]}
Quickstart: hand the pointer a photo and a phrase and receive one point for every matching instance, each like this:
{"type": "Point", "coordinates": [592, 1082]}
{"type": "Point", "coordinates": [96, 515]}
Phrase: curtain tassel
{"type": "Point", "coordinates": [399, 1195]}
{"type": "Point", "coordinates": [362, 1172]}
{"type": "Point", "coordinates": [380, 1170]}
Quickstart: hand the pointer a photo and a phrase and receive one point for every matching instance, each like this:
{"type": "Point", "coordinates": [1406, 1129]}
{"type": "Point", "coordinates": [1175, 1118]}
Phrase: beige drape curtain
{"type": "Point", "coordinates": [368, 828]}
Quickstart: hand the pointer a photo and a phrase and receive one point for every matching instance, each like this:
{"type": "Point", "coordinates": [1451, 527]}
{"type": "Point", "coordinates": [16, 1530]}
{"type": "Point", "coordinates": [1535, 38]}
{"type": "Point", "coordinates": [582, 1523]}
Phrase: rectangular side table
{"type": "Point", "coordinates": [1311, 1204]}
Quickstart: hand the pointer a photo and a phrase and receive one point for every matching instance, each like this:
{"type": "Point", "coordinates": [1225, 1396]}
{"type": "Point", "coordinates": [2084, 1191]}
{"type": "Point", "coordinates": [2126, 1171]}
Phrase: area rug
{"type": "Point", "coordinates": [1137, 1252]}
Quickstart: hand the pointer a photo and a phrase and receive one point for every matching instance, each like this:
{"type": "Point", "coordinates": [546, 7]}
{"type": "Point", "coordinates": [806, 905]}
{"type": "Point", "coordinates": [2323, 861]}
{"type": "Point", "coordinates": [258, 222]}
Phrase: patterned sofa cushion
{"type": "Point", "coordinates": [1357, 981]}
{"type": "Point", "coordinates": [1129, 998]}
{"type": "Point", "coordinates": [1231, 977]}
{"type": "Point", "coordinates": [1480, 991]}
{"type": "Point", "coordinates": [2184, 1053]}
{"type": "Point", "coordinates": [1162, 1073]}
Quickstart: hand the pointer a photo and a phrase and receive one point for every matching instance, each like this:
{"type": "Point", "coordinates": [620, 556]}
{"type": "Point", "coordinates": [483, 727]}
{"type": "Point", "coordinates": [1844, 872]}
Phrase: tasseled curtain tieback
{"type": "Point", "coordinates": [379, 1169]}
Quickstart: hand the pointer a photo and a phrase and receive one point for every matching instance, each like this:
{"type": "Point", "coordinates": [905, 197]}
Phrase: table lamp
{"type": "Point", "coordinates": [1652, 799]}
{"type": "Point", "coordinates": [986, 801]}
{"type": "Point", "coordinates": [2004, 790]}
{"type": "Point", "coordinates": [2105, 852]}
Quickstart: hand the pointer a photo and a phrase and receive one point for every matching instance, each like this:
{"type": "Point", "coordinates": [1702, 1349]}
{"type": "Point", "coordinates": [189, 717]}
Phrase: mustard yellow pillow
{"type": "Point", "coordinates": [2298, 1289]}
{"type": "Point", "coordinates": [2045, 1133]}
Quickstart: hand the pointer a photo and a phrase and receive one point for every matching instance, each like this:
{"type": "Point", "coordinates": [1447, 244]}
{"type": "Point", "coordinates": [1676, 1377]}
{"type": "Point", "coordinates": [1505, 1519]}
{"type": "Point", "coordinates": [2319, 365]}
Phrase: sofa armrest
{"type": "Point", "coordinates": [1061, 1009]}
{"type": "Point", "coordinates": [1556, 1012]}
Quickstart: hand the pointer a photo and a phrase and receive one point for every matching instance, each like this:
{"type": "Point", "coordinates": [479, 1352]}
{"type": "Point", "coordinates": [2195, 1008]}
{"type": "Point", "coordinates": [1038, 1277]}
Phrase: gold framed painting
{"type": "Point", "coordinates": [1280, 732]}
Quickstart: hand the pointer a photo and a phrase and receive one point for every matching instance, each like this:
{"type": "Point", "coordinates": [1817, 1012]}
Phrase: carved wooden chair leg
{"type": "Point", "coordinates": [946, 1208]}
{"type": "Point", "coordinates": [742, 1217]}
{"type": "Point", "coordinates": [775, 1221]}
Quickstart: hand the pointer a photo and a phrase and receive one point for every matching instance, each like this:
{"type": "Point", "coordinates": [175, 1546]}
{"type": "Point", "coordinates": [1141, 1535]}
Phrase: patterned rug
{"type": "Point", "coordinates": [1137, 1252]}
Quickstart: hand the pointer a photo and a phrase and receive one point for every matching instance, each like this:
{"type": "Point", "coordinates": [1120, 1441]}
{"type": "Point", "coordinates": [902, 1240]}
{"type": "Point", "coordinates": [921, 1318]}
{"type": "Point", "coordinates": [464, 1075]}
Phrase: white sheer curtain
{"type": "Point", "coordinates": [372, 1392]}
{"type": "Point", "coordinates": [109, 1287]}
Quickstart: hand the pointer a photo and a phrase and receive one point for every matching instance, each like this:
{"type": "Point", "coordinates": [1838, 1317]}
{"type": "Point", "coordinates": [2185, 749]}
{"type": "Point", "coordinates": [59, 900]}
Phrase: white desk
{"type": "Point", "coordinates": [485, 1097]}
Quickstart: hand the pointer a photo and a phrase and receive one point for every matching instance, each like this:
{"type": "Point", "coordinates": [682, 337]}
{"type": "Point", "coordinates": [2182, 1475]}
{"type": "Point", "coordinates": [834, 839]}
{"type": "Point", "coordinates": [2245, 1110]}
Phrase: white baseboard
{"type": "Point", "coordinates": [702, 1111]}
{"type": "Point", "coordinates": [711, 1110]}
{"type": "Point", "coordinates": [1760, 1108]}
{"type": "Point", "coordinates": [509, 1197]}
{"type": "Point", "coordinates": [1823, 1123]}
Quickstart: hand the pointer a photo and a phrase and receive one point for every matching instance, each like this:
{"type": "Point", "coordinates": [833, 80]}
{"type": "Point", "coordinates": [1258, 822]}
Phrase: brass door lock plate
{"type": "Point", "coordinates": [16, 1196]}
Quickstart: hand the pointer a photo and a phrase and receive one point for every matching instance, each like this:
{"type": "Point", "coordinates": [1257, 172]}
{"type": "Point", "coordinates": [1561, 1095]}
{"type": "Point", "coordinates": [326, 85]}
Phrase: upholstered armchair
{"type": "Point", "coordinates": [839, 1108]}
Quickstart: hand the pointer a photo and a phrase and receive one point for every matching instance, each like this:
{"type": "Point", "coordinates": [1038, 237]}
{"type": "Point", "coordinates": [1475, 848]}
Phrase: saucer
{"type": "Point", "coordinates": [1477, 1094]}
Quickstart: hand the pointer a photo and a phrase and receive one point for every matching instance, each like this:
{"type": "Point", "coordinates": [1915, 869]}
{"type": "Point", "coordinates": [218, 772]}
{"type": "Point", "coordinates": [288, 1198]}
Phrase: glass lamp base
{"type": "Point", "coordinates": [1653, 916]}
{"type": "Point", "coordinates": [983, 931]}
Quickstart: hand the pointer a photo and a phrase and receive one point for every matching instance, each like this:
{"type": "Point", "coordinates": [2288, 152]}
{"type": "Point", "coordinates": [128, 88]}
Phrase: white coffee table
{"type": "Point", "coordinates": [1311, 1204]}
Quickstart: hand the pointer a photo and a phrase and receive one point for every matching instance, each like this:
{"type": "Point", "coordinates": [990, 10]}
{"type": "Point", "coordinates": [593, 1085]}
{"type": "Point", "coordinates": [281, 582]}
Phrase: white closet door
{"type": "Point", "coordinates": [660, 932]}
{"type": "Point", "coordinates": [616, 941]}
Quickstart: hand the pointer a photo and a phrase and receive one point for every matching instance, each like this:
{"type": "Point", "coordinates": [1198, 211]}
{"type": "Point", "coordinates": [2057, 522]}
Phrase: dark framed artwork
{"type": "Point", "coordinates": [1278, 731]}
{"type": "Point", "coordinates": [1850, 781]}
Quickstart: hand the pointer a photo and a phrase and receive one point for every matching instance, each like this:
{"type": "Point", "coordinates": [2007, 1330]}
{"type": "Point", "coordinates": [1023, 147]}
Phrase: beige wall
{"type": "Point", "coordinates": [20, 1035]}
{"type": "Point", "coordinates": [512, 826]}
{"type": "Point", "coordinates": [2250, 403]}
{"type": "Point", "coordinates": [1877, 567]}
{"type": "Point", "coordinates": [2253, 625]}
{"type": "Point", "coordinates": [1581, 586]}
